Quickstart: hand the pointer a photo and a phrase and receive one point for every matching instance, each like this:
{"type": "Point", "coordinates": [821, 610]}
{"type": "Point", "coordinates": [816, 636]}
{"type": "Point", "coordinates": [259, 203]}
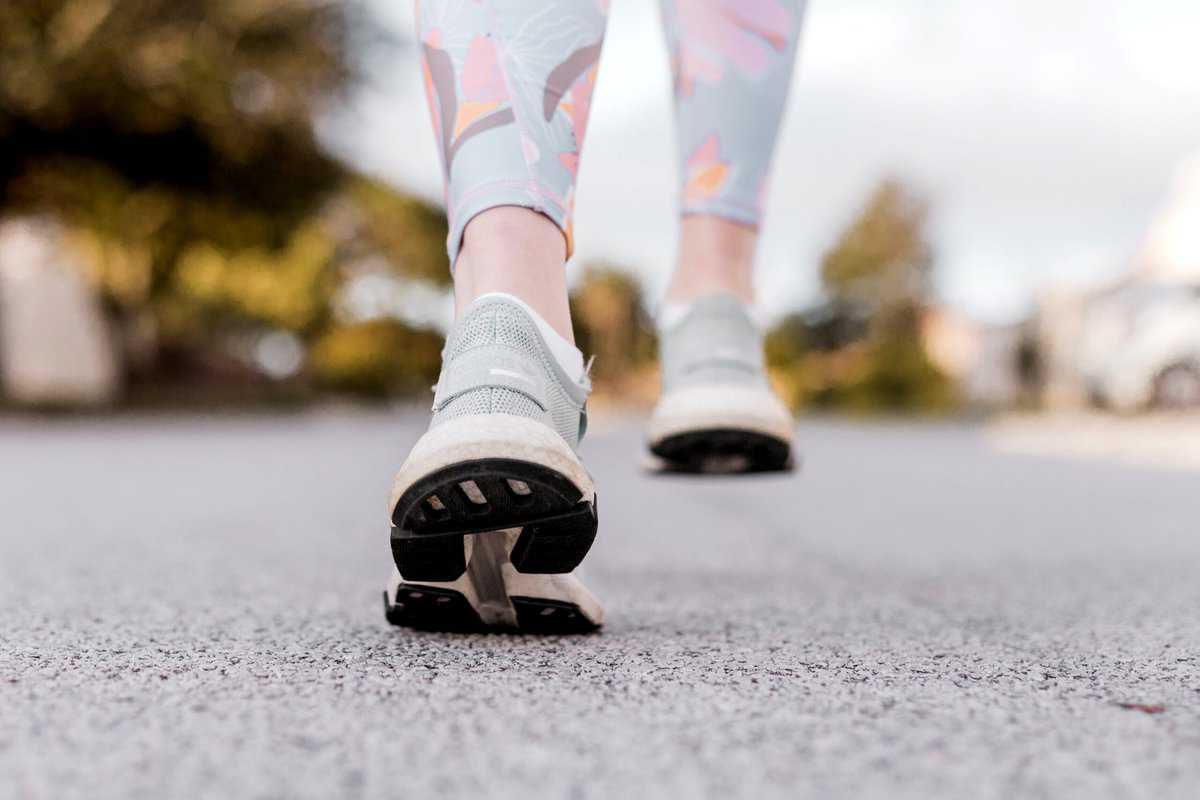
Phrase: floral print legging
{"type": "Point", "coordinates": [509, 84]}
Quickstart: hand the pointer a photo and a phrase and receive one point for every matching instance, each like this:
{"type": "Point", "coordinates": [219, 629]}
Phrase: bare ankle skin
{"type": "Point", "coordinates": [715, 254]}
{"type": "Point", "coordinates": [518, 251]}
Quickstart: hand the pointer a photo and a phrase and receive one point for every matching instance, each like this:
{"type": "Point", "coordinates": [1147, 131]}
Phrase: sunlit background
{"type": "Point", "coordinates": [1044, 156]}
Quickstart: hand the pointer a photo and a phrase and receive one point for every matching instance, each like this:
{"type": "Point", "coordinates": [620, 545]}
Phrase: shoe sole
{"type": "Point", "coordinates": [541, 615]}
{"type": "Point", "coordinates": [723, 451]}
{"type": "Point", "coordinates": [430, 608]}
{"type": "Point", "coordinates": [488, 495]}
{"type": "Point", "coordinates": [721, 430]}
{"type": "Point", "coordinates": [493, 596]}
{"type": "Point", "coordinates": [427, 608]}
{"type": "Point", "coordinates": [489, 473]}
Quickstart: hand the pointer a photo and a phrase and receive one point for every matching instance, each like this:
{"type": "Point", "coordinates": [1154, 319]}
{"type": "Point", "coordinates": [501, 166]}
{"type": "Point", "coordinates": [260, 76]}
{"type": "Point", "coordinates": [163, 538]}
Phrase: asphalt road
{"type": "Point", "coordinates": [190, 608]}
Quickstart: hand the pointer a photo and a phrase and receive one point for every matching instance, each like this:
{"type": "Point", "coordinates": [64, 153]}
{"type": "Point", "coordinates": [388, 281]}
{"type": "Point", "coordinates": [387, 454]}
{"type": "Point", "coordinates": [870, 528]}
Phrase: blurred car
{"type": "Point", "coordinates": [1141, 347]}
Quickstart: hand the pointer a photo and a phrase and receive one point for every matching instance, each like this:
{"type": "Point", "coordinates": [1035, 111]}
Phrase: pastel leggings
{"type": "Point", "coordinates": [509, 84]}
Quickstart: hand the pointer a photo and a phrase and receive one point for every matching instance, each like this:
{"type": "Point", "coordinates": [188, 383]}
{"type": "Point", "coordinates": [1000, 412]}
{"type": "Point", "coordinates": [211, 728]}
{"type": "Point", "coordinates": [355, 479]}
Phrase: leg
{"type": "Point", "coordinates": [733, 63]}
{"type": "Point", "coordinates": [715, 255]}
{"type": "Point", "coordinates": [492, 509]}
{"type": "Point", "coordinates": [520, 252]}
{"type": "Point", "coordinates": [509, 85]}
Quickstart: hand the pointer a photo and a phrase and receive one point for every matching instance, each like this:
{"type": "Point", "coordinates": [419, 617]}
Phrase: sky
{"type": "Point", "coordinates": [1044, 133]}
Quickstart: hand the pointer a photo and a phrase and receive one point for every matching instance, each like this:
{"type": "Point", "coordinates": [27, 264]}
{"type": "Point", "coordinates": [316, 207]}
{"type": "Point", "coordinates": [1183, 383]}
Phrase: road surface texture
{"type": "Point", "coordinates": [190, 607]}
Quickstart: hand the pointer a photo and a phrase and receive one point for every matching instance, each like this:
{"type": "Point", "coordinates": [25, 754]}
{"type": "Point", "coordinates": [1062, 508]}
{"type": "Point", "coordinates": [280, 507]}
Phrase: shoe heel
{"type": "Point", "coordinates": [558, 545]}
{"type": "Point", "coordinates": [430, 558]}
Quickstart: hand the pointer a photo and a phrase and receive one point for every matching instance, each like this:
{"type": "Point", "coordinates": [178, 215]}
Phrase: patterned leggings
{"type": "Point", "coordinates": [509, 84]}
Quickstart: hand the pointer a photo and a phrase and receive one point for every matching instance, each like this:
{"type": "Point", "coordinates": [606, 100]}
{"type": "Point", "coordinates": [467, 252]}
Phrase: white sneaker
{"type": "Point", "coordinates": [496, 484]}
{"type": "Point", "coordinates": [717, 412]}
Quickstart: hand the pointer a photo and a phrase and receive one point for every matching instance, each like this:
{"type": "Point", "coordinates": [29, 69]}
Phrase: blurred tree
{"type": "Point", "coordinates": [379, 358]}
{"type": "Point", "coordinates": [408, 231]}
{"type": "Point", "coordinates": [862, 349]}
{"type": "Point", "coordinates": [880, 266]}
{"type": "Point", "coordinates": [612, 324]}
{"type": "Point", "coordinates": [787, 341]}
{"type": "Point", "coordinates": [887, 373]}
{"type": "Point", "coordinates": [176, 139]}
{"type": "Point", "coordinates": [211, 98]}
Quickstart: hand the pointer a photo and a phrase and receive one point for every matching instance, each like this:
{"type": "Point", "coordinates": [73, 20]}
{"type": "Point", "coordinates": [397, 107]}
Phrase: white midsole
{"type": "Point", "coordinates": [490, 436]}
{"type": "Point", "coordinates": [706, 407]}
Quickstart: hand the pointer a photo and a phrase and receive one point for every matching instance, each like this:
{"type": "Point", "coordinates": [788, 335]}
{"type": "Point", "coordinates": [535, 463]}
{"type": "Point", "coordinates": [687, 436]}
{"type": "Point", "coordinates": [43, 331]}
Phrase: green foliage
{"type": "Point", "coordinates": [408, 231]}
{"type": "Point", "coordinates": [611, 322]}
{"type": "Point", "coordinates": [175, 139]}
{"type": "Point", "coordinates": [286, 288]}
{"type": "Point", "coordinates": [892, 375]}
{"type": "Point", "coordinates": [380, 358]}
{"type": "Point", "coordinates": [863, 350]}
{"type": "Point", "coordinates": [157, 123]}
{"type": "Point", "coordinates": [882, 261]}
{"type": "Point", "coordinates": [214, 98]}
{"type": "Point", "coordinates": [787, 341]}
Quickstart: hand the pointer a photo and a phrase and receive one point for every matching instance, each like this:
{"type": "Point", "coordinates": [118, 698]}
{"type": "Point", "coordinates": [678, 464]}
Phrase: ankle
{"type": "Point", "coordinates": [518, 252]}
{"type": "Point", "coordinates": [715, 255]}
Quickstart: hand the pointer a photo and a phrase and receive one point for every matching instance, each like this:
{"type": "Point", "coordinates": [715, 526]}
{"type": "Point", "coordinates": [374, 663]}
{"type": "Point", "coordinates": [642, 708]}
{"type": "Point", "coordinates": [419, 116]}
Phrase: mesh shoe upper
{"type": "Point", "coordinates": [716, 342]}
{"type": "Point", "coordinates": [496, 362]}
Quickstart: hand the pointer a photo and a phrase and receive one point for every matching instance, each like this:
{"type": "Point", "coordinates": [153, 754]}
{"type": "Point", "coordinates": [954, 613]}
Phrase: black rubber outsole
{"type": "Point", "coordinates": [542, 615]}
{"type": "Point", "coordinates": [724, 451]}
{"type": "Point", "coordinates": [432, 609]}
{"type": "Point", "coordinates": [435, 609]}
{"type": "Point", "coordinates": [485, 495]}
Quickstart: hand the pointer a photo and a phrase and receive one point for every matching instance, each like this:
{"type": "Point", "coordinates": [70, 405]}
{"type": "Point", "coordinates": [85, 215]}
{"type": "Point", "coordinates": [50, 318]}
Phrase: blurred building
{"type": "Point", "coordinates": [1128, 344]}
{"type": "Point", "coordinates": [55, 345]}
{"type": "Point", "coordinates": [1132, 343]}
{"type": "Point", "coordinates": [983, 359]}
